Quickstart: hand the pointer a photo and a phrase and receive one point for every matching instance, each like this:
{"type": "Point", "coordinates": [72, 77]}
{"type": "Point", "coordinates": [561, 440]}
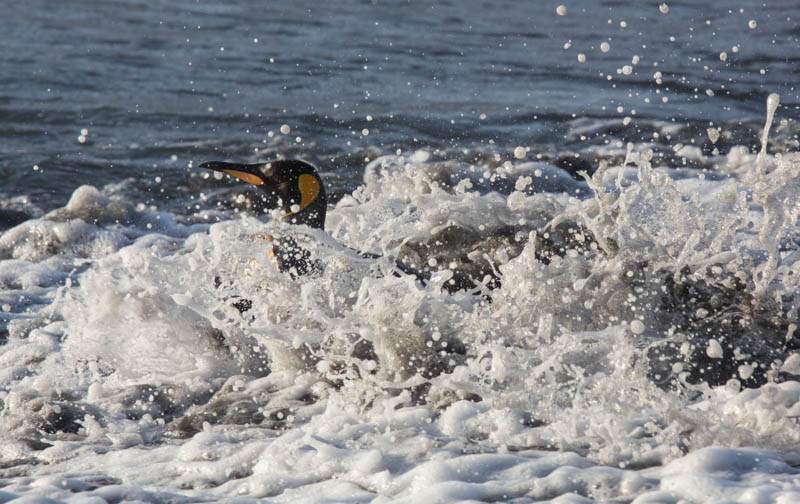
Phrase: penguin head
{"type": "Point", "coordinates": [292, 185]}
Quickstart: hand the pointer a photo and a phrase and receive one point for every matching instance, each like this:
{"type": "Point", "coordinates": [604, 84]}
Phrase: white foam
{"type": "Point", "coordinates": [356, 384]}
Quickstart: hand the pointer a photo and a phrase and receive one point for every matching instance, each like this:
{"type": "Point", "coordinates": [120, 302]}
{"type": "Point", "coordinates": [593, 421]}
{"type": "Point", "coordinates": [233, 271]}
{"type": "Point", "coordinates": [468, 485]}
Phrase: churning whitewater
{"type": "Point", "coordinates": [638, 327]}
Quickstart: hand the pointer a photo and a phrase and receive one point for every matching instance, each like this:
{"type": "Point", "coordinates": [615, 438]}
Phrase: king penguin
{"type": "Point", "coordinates": [295, 187]}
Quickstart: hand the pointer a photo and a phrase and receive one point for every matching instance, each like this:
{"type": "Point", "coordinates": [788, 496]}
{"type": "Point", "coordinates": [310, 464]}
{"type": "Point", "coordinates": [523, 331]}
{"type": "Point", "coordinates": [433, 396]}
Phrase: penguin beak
{"type": "Point", "coordinates": [250, 173]}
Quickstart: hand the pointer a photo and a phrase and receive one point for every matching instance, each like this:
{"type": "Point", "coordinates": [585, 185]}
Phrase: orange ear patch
{"type": "Point", "coordinates": [247, 177]}
{"type": "Point", "coordinates": [309, 189]}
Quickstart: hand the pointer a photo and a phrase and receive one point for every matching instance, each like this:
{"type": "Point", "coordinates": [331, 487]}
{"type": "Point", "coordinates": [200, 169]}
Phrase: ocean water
{"type": "Point", "coordinates": [617, 184]}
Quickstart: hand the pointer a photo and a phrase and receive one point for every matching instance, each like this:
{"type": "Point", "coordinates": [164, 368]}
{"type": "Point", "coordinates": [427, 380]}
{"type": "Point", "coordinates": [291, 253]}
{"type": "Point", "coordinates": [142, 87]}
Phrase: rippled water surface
{"type": "Point", "coordinates": [151, 81]}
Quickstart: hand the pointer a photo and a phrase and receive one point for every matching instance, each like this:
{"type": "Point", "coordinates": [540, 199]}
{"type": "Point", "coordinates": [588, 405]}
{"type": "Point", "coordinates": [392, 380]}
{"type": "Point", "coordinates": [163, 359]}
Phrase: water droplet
{"type": "Point", "coordinates": [714, 349]}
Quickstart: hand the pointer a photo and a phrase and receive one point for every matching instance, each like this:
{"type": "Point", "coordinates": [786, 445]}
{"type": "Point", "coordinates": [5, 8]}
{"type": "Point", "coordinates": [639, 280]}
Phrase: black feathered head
{"type": "Point", "coordinates": [293, 185]}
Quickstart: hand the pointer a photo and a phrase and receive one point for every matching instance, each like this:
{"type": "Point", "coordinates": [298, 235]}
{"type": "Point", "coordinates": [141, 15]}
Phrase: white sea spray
{"type": "Point", "coordinates": [358, 382]}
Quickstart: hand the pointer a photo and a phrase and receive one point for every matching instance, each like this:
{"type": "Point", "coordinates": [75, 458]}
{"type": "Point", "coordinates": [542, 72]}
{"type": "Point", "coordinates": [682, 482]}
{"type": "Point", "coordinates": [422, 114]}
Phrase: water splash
{"type": "Point", "coordinates": [773, 100]}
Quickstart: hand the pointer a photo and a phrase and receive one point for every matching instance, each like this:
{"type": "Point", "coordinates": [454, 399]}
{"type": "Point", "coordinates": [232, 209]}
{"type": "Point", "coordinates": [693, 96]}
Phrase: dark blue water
{"type": "Point", "coordinates": [160, 84]}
